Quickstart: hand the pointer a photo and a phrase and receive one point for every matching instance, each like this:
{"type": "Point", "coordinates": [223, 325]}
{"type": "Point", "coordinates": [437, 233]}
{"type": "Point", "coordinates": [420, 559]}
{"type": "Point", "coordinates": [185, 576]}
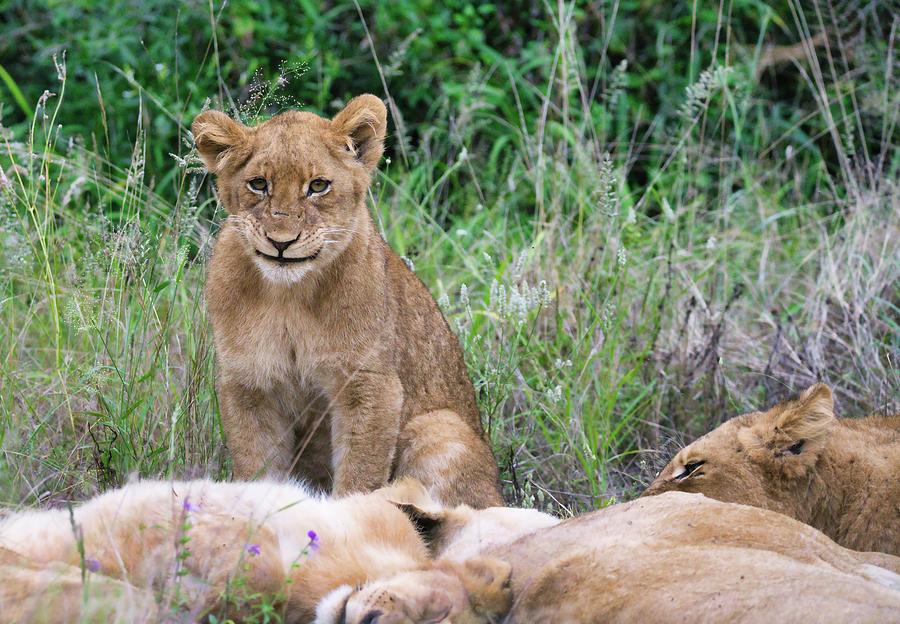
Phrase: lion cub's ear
{"type": "Point", "coordinates": [216, 135]}
{"type": "Point", "coordinates": [411, 497]}
{"type": "Point", "coordinates": [409, 491]}
{"type": "Point", "coordinates": [808, 419]}
{"type": "Point", "coordinates": [363, 124]}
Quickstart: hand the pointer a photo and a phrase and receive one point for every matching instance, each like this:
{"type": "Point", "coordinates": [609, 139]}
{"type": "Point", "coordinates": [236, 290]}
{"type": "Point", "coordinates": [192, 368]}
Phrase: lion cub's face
{"type": "Point", "coordinates": [759, 459]}
{"type": "Point", "coordinates": [476, 591]}
{"type": "Point", "coordinates": [294, 186]}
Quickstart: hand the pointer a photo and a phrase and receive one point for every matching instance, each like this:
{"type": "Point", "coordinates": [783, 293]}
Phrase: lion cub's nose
{"type": "Point", "coordinates": [281, 245]}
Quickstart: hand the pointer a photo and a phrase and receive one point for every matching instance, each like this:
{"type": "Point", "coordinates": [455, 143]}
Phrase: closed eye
{"type": "Point", "coordinates": [371, 616]}
{"type": "Point", "coordinates": [689, 469]}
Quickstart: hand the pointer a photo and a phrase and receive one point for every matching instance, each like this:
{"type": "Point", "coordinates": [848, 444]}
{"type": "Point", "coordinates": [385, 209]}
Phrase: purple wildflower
{"type": "Point", "coordinates": [92, 564]}
{"type": "Point", "coordinates": [313, 539]}
{"type": "Point", "coordinates": [189, 506]}
{"type": "Point", "coordinates": [254, 549]}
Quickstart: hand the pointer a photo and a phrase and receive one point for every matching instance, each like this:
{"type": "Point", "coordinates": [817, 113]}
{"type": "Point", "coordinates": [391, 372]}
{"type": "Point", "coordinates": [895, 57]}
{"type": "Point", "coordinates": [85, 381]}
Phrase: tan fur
{"type": "Point", "coordinates": [134, 534]}
{"type": "Point", "coordinates": [670, 558]}
{"type": "Point", "coordinates": [463, 593]}
{"type": "Point", "coordinates": [844, 479]}
{"type": "Point", "coordinates": [54, 593]}
{"type": "Point", "coordinates": [339, 364]}
{"type": "Point", "coordinates": [459, 533]}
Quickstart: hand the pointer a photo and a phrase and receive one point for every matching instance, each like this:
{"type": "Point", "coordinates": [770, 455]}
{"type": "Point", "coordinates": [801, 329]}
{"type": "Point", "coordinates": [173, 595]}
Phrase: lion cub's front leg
{"type": "Point", "coordinates": [260, 437]}
{"type": "Point", "coordinates": [364, 430]}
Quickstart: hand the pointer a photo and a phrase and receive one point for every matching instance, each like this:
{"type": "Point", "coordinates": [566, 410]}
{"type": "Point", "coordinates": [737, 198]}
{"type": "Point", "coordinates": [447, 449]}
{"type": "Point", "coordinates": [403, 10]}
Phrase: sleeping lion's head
{"type": "Point", "coordinates": [294, 186]}
{"type": "Point", "coordinates": [764, 459]}
{"type": "Point", "coordinates": [476, 591]}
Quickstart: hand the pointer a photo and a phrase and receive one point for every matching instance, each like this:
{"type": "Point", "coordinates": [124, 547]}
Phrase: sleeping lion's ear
{"type": "Point", "coordinates": [363, 124]}
{"type": "Point", "coordinates": [216, 136]}
{"type": "Point", "coordinates": [411, 497]}
{"type": "Point", "coordinates": [810, 416]}
{"type": "Point", "coordinates": [409, 491]}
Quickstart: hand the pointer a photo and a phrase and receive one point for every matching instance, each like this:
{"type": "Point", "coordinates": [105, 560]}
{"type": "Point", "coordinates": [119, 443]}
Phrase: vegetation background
{"type": "Point", "coordinates": [641, 217]}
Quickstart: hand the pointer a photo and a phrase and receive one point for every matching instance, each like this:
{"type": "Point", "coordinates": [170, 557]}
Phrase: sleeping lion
{"type": "Point", "coordinates": [670, 558]}
{"type": "Point", "coordinates": [841, 476]}
{"type": "Point", "coordinates": [156, 551]}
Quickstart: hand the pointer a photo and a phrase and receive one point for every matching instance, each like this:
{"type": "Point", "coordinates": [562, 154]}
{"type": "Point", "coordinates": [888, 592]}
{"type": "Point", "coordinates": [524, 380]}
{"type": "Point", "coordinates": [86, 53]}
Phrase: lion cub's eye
{"type": "Point", "coordinates": [689, 469]}
{"type": "Point", "coordinates": [318, 186]}
{"type": "Point", "coordinates": [258, 185]}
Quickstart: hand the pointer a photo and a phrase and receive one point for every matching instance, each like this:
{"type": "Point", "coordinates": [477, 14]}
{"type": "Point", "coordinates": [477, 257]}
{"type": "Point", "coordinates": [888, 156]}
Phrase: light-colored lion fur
{"type": "Point", "coordinates": [671, 558]}
{"type": "Point", "coordinates": [655, 559]}
{"type": "Point", "coordinates": [337, 366]}
{"type": "Point", "coordinates": [841, 476]}
{"type": "Point", "coordinates": [49, 593]}
{"type": "Point", "coordinates": [134, 535]}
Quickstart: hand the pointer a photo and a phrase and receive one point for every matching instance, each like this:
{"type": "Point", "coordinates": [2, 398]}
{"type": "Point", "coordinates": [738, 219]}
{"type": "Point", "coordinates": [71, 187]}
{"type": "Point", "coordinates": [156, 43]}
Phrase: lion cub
{"type": "Point", "coordinates": [204, 547]}
{"type": "Point", "coordinates": [336, 364]}
{"type": "Point", "coordinates": [669, 558]}
{"type": "Point", "coordinates": [840, 476]}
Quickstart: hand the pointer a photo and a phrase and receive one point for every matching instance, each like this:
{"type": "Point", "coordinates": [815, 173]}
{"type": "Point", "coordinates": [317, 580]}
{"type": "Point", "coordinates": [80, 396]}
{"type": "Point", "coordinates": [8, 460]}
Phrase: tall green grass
{"type": "Point", "coordinates": [622, 279]}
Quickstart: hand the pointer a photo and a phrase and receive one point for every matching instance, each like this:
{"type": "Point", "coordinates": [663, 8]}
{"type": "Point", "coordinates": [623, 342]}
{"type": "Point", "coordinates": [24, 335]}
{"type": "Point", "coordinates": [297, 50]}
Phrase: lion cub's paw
{"type": "Point", "coordinates": [473, 592]}
{"type": "Point", "coordinates": [487, 580]}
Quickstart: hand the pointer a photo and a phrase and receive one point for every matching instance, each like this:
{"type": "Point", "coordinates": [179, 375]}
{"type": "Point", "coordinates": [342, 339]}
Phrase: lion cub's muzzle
{"type": "Point", "coordinates": [290, 248]}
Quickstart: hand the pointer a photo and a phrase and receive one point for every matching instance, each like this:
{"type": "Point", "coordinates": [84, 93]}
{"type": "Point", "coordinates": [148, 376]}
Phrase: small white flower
{"type": "Point", "coordinates": [181, 257]}
{"type": "Point", "coordinates": [588, 451]}
{"type": "Point", "coordinates": [606, 316]}
{"type": "Point", "coordinates": [544, 291]}
{"type": "Point", "coordinates": [519, 267]}
{"type": "Point", "coordinates": [46, 95]}
{"type": "Point", "coordinates": [60, 67]}
{"type": "Point", "coordinates": [443, 301]}
{"type": "Point", "coordinates": [555, 394]}
{"type": "Point", "coordinates": [462, 233]}
{"type": "Point", "coordinates": [621, 256]}
{"type": "Point", "coordinates": [711, 242]}
{"type": "Point", "coordinates": [464, 295]}
{"type": "Point", "coordinates": [181, 162]}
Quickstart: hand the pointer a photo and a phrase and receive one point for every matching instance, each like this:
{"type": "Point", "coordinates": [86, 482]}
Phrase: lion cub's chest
{"type": "Point", "coordinates": [273, 347]}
